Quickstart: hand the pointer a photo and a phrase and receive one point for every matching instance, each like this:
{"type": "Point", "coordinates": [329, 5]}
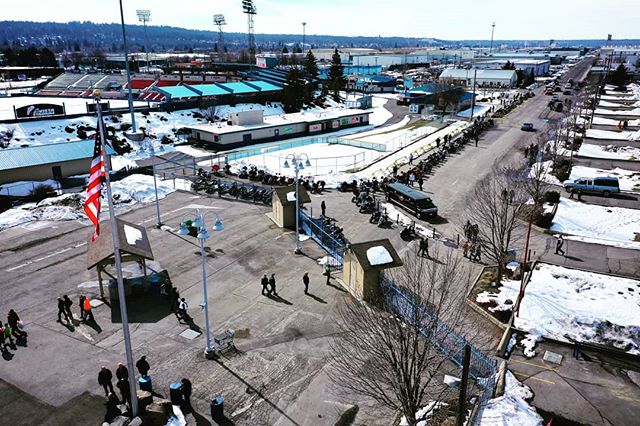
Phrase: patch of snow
{"type": "Point", "coordinates": [509, 410]}
{"type": "Point", "coordinates": [424, 414]}
{"type": "Point", "coordinates": [504, 299]}
{"type": "Point", "coordinates": [15, 217]}
{"type": "Point", "coordinates": [614, 226]}
{"type": "Point", "coordinates": [624, 135]}
{"type": "Point", "coordinates": [303, 237]}
{"type": "Point", "coordinates": [378, 255]}
{"type": "Point", "coordinates": [513, 387]}
{"type": "Point", "coordinates": [291, 196]}
{"type": "Point", "coordinates": [613, 122]}
{"type": "Point", "coordinates": [139, 189]}
{"type": "Point", "coordinates": [133, 235]}
{"type": "Point", "coordinates": [630, 113]}
{"type": "Point", "coordinates": [542, 170]}
{"type": "Point", "coordinates": [511, 344]}
{"type": "Point", "coordinates": [609, 151]}
{"type": "Point", "coordinates": [529, 344]}
{"type": "Point", "coordinates": [327, 259]}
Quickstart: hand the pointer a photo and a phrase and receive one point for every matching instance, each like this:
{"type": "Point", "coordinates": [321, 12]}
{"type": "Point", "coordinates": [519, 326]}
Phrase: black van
{"type": "Point", "coordinates": [416, 202]}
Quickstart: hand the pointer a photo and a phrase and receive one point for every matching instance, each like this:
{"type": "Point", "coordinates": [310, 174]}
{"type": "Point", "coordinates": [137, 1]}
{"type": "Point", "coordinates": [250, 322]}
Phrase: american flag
{"type": "Point", "coordinates": [94, 189]}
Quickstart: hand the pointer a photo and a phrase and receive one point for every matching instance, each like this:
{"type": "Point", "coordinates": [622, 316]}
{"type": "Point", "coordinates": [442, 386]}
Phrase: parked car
{"type": "Point", "coordinates": [416, 202]}
{"type": "Point", "coordinates": [527, 127]}
{"type": "Point", "coordinates": [599, 185]}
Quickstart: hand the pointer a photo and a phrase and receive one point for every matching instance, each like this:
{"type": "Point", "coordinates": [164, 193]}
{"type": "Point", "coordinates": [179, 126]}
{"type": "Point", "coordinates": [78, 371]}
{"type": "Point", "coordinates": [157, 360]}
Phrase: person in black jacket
{"type": "Point", "coordinates": [67, 306]}
{"type": "Point", "coordinates": [122, 372]}
{"type": "Point", "coordinates": [123, 385]}
{"type": "Point", "coordinates": [104, 379]}
{"type": "Point", "coordinates": [265, 285]}
{"type": "Point", "coordinates": [272, 285]}
{"type": "Point", "coordinates": [143, 366]}
{"type": "Point", "coordinates": [305, 281]}
{"type": "Point", "coordinates": [61, 310]}
{"type": "Point", "coordinates": [186, 391]}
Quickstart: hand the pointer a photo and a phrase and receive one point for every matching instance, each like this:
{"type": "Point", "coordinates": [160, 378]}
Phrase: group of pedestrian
{"type": "Point", "coordinates": [12, 328]}
{"type": "Point", "coordinates": [177, 304]}
{"type": "Point", "coordinates": [423, 248]}
{"type": "Point", "coordinates": [269, 285]}
{"type": "Point", "coordinates": [64, 309]}
{"type": "Point", "coordinates": [105, 378]}
{"type": "Point", "coordinates": [472, 247]}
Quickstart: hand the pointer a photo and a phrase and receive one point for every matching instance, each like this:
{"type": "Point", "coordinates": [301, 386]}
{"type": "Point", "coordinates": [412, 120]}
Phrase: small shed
{"type": "Point", "coordinates": [134, 247]}
{"type": "Point", "coordinates": [362, 265]}
{"type": "Point", "coordinates": [284, 205]}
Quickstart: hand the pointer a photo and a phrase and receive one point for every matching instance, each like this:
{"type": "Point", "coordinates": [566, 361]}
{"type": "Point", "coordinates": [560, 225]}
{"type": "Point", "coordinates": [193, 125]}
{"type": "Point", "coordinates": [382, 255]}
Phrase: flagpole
{"type": "Point", "coordinates": [118, 264]}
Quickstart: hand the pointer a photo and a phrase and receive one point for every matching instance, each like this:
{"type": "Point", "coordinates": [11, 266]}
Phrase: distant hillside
{"type": "Point", "coordinates": [88, 36]}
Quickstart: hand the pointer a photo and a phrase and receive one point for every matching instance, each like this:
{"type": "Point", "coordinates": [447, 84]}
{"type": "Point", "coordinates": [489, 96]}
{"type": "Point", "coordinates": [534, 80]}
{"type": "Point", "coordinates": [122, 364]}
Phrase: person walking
{"type": "Point", "coordinates": [182, 309]}
{"type": "Point", "coordinates": [86, 305]}
{"type": "Point", "coordinates": [394, 171]}
{"type": "Point", "coordinates": [420, 182]}
{"type": "Point", "coordinates": [104, 379]}
{"type": "Point", "coordinates": [476, 139]}
{"type": "Point", "coordinates": [412, 179]}
{"type": "Point", "coordinates": [186, 391]}
{"type": "Point", "coordinates": [265, 285]}
{"type": "Point", "coordinates": [465, 249]}
{"type": "Point", "coordinates": [305, 281]}
{"type": "Point", "coordinates": [67, 306]}
{"type": "Point", "coordinates": [14, 321]}
{"type": "Point", "coordinates": [323, 207]}
{"type": "Point", "coordinates": [411, 158]}
{"type": "Point", "coordinates": [327, 271]}
{"type": "Point", "coordinates": [123, 386]}
{"type": "Point", "coordinates": [424, 247]}
{"type": "Point", "coordinates": [559, 245]}
{"type": "Point", "coordinates": [61, 310]}
{"type": "Point", "coordinates": [478, 252]}
{"type": "Point", "coordinates": [7, 331]}
{"type": "Point", "coordinates": [143, 366]}
{"type": "Point", "coordinates": [2, 338]}
{"type": "Point", "coordinates": [272, 285]}
{"type": "Point", "coordinates": [81, 305]}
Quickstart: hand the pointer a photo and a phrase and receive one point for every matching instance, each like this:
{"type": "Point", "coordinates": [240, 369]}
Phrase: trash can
{"type": "Point", "coordinates": [175, 393]}
{"type": "Point", "coordinates": [145, 384]}
{"type": "Point", "coordinates": [217, 407]}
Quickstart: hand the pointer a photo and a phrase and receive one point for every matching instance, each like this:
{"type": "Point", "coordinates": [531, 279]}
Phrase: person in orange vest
{"type": "Point", "coordinates": [88, 315]}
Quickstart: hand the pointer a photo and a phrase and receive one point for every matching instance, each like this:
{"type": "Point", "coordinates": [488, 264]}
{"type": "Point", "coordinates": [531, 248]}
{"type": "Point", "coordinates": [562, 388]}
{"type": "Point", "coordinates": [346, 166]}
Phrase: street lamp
{"type": "Point", "coordinates": [144, 16]}
{"type": "Point", "coordinates": [296, 160]}
{"type": "Point", "coordinates": [199, 223]}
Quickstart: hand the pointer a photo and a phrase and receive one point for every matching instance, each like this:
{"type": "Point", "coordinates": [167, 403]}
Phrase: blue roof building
{"type": "Point", "coordinates": [41, 162]}
{"type": "Point", "coordinates": [188, 92]}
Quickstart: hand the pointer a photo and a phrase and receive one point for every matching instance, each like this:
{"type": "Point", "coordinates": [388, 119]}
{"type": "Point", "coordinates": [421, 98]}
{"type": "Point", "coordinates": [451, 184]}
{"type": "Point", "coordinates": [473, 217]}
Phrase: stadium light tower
{"type": "Point", "coordinates": [250, 9]}
{"type": "Point", "coordinates": [220, 21]}
{"type": "Point", "coordinates": [493, 27]}
{"type": "Point", "coordinates": [144, 16]}
{"type": "Point", "coordinates": [130, 96]}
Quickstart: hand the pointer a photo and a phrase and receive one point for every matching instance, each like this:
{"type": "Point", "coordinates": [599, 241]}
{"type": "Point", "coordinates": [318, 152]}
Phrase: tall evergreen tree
{"type": "Point", "coordinates": [293, 93]}
{"type": "Point", "coordinates": [619, 77]}
{"type": "Point", "coordinates": [508, 66]}
{"type": "Point", "coordinates": [310, 65]}
{"type": "Point", "coordinates": [336, 79]}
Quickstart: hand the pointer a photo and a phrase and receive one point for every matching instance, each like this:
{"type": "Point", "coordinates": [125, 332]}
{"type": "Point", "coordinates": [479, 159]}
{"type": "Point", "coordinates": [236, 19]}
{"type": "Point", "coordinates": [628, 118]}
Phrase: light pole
{"type": "Point", "coordinates": [144, 16]}
{"type": "Point", "coordinates": [126, 65]}
{"type": "Point", "coordinates": [296, 159]}
{"type": "Point", "coordinates": [199, 223]}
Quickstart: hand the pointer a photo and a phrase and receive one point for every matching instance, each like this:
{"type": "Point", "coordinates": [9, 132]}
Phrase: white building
{"type": "Point", "coordinates": [484, 78]}
{"type": "Point", "coordinates": [539, 67]}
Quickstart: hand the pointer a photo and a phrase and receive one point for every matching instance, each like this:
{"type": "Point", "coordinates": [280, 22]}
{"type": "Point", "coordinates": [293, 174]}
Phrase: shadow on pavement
{"type": "Point", "coordinates": [279, 299]}
{"type": "Point", "coordinates": [316, 298]}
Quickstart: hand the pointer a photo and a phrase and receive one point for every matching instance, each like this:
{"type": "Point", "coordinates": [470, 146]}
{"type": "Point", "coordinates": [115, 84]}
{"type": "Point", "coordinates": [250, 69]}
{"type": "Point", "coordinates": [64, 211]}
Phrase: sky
{"type": "Point", "coordinates": [455, 20]}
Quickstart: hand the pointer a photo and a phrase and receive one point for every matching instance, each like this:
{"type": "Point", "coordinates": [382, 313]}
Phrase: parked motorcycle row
{"type": "Point", "coordinates": [211, 184]}
{"type": "Point", "coordinates": [332, 230]}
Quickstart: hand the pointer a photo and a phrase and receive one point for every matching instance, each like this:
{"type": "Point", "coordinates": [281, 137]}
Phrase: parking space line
{"type": "Point", "coordinates": [530, 377]}
{"type": "Point", "coordinates": [543, 367]}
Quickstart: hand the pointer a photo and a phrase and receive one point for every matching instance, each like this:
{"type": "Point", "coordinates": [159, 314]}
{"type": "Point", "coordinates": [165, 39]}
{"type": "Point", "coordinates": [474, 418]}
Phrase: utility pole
{"type": "Point", "coordinates": [304, 35]}
{"type": "Point", "coordinates": [462, 399]}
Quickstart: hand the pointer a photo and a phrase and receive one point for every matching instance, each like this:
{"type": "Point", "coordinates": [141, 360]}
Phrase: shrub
{"type": "Point", "coordinates": [543, 220]}
{"type": "Point", "coordinates": [561, 169]}
{"type": "Point", "coordinates": [42, 191]}
{"type": "Point", "coordinates": [552, 197]}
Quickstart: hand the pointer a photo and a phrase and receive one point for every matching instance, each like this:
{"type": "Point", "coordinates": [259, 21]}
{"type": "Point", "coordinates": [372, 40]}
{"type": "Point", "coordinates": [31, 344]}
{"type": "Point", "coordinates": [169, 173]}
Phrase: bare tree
{"type": "Point", "coordinates": [211, 114]}
{"type": "Point", "coordinates": [493, 206]}
{"type": "Point", "coordinates": [387, 352]}
{"type": "Point", "coordinates": [536, 182]}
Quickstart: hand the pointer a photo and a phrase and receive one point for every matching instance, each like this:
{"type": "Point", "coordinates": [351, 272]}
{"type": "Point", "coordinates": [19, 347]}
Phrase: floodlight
{"type": "Point", "coordinates": [184, 230]}
{"type": "Point", "coordinates": [218, 226]}
{"type": "Point", "coordinates": [143, 15]}
{"type": "Point", "coordinates": [219, 19]}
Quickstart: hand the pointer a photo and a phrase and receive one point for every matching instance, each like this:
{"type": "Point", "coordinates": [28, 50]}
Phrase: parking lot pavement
{"type": "Point", "coordinates": [606, 163]}
{"type": "Point", "coordinates": [594, 389]}
{"type": "Point", "coordinates": [594, 257]}
{"type": "Point", "coordinates": [282, 341]}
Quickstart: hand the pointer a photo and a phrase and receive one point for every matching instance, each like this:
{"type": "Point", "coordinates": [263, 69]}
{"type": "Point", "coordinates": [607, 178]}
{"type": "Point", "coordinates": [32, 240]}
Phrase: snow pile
{"type": "Point", "coordinates": [328, 259]}
{"type": "Point", "coordinates": [15, 217]}
{"type": "Point", "coordinates": [542, 171]}
{"type": "Point", "coordinates": [61, 208]}
{"type": "Point", "coordinates": [568, 304]}
{"type": "Point", "coordinates": [504, 300]}
{"type": "Point", "coordinates": [614, 226]}
{"type": "Point", "coordinates": [139, 189]}
{"type": "Point", "coordinates": [609, 151]}
{"type": "Point", "coordinates": [630, 113]}
{"type": "Point", "coordinates": [23, 188]}
{"type": "Point", "coordinates": [629, 180]}
{"type": "Point", "coordinates": [613, 135]}
{"type": "Point", "coordinates": [529, 343]}
{"type": "Point", "coordinates": [511, 408]}
{"type": "Point", "coordinates": [612, 122]}
{"type": "Point", "coordinates": [291, 196]}
{"type": "Point", "coordinates": [424, 414]}
{"type": "Point", "coordinates": [378, 255]}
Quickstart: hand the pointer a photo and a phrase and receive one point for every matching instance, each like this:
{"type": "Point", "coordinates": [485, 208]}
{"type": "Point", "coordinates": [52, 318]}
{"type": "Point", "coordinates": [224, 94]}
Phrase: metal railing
{"type": "Point", "coordinates": [315, 228]}
{"type": "Point", "coordinates": [482, 368]}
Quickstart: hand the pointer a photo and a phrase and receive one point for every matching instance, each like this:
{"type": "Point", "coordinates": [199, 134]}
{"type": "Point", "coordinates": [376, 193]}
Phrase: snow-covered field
{"type": "Point", "coordinates": [611, 122]}
{"type": "Point", "coordinates": [131, 190]}
{"type": "Point", "coordinates": [609, 151]}
{"type": "Point", "coordinates": [624, 135]}
{"type": "Point", "coordinates": [613, 226]}
{"type": "Point", "coordinates": [607, 104]}
{"type": "Point", "coordinates": [569, 304]}
{"type": "Point", "coordinates": [72, 105]}
{"type": "Point", "coordinates": [512, 407]}
{"type": "Point", "coordinates": [629, 180]}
